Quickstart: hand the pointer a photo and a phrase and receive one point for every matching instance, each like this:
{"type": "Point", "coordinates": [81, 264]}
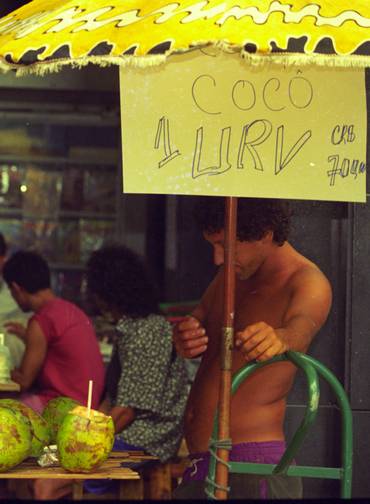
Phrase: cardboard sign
{"type": "Point", "coordinates": [207, 123]}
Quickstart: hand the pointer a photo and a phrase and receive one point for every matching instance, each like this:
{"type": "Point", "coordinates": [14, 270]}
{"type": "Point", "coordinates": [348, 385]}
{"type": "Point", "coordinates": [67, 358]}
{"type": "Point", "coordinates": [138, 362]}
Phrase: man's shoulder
{"type": "Point", "coordinates": [309, 278]}
{"type": "Point", "coordinates": [58, 302]}
{"type": "Point", "coordinates": [301, 268]}
{"type": "Point", "coordinates": [307, 270]}
{"type": "Point", "coordinates": [61, 307]}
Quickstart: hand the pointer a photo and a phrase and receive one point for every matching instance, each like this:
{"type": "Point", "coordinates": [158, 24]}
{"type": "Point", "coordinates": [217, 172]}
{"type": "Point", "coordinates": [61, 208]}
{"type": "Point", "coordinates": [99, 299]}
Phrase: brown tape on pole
{"type": "Point", "coordinates": [224, 399]}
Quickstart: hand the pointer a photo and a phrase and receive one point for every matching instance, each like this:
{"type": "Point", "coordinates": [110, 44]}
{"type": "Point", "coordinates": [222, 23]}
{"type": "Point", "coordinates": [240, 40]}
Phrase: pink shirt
{"type": "Point", "coordinates": [73, 355]}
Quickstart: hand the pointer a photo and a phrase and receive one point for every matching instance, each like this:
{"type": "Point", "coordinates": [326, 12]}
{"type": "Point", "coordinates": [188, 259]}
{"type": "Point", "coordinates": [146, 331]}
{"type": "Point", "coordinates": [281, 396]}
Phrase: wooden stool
{"type": "Point", "coordinates": [151, 480]}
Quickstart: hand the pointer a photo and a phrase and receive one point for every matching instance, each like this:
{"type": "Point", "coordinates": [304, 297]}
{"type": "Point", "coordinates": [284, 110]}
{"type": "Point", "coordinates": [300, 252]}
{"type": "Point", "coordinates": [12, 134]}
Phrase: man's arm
{"type": "Point", "coordinates": [16, 328]}
{"type": "Point", "coordinates": [189, 336]}
{"type": "Point", "coordinates": [33, 358]}
{"type": "Point", "coordinates": [307, 311]}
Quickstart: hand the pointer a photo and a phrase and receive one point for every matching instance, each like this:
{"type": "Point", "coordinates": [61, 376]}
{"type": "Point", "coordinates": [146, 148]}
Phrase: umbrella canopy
{"type": "Point", "coordinates": [45, 34]}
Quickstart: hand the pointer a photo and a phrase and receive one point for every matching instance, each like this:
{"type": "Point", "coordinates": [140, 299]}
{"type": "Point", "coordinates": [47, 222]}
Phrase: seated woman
{"type": "Point", "coordinates": [146, 381]}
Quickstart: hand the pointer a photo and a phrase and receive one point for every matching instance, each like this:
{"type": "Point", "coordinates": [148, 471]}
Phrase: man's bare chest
{"type": "Point", "coordinates": [268, 305]}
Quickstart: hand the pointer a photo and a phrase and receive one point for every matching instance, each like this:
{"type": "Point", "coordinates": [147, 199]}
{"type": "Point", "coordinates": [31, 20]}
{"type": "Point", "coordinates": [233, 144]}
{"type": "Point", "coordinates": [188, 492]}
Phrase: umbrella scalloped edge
{"type": "Point", "coordinates": [44, 67]}
{"type": "Point", "coordinates": [279, 58]}
{"type": "Point", "coordinates": [299, 59]}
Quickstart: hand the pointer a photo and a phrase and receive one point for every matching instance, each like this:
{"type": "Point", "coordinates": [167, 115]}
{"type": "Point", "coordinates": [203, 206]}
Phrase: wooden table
{"type": "Point", "coordinates": [131, 483]}
{"type": "Point", "coordinates": [9, 386]}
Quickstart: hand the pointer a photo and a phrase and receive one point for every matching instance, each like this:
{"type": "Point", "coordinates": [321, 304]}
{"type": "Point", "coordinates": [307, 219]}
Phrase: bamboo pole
{"type": "Point", "coordinates": [224, 399]}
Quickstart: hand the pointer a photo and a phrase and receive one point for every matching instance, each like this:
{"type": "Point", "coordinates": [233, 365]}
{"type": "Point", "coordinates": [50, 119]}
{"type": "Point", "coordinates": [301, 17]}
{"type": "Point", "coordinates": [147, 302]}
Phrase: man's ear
{"type": "Point", "coordinates": [16, 288]}
{"type": "Point", "coordinates": [268, 237]}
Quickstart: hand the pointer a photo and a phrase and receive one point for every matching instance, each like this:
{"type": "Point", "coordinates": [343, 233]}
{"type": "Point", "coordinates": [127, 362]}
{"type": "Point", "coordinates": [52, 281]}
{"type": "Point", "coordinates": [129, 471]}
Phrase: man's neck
{"type": "Point", "coordinates": [276, 263]}
{"type": "Point", "coordinates": [41, 298]}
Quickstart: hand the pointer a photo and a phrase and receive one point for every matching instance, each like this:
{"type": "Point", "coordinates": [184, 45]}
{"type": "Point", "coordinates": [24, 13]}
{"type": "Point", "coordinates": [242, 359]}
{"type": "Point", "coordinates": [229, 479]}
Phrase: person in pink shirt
{"type": "Point", "coordinates": [62, 351]}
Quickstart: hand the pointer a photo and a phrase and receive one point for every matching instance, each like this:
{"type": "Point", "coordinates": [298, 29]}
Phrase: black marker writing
{"type": "Point", "coordinates": [163, 131]}
{"type": "Point", "coordinates": [296, 83]}
{"type": "Point", "coordinates": [194, 93]}
{"type": "Point", "coordinates": [275, 85]}
{"type": "Point", "coordinates": [243, 94]}
{"type": "Point", "coordinates": [347, 166]}
{"type": "Point", "coordinates": [243, 84]}
{"type": "Point", "coordinates": [248, 141]}
{"type": "Point", "coordinates": [281, 163]}
{"type": "Point", "coordinates": [223, 161]}
{"type": "Point", "coordinates": [343, 134]}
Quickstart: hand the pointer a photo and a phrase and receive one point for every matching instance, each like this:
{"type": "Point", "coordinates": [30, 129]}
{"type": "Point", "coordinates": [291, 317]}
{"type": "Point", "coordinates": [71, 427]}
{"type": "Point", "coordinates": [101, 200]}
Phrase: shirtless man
{"type": "Point", "coordinates": [281, 301]}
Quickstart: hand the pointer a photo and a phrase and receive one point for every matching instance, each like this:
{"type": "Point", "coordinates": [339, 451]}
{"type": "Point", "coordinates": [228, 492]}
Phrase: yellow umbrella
{"type": "Point", "coordinates": [45, 34]}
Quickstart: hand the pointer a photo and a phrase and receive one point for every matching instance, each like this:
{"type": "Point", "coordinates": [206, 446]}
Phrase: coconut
{"type": "Point", "coordinates": [39, 427]}
{"type": "Point", "coordinates": [55, 411]}
{"type": "Point", "coordinates": [84, 440]}
{"type": "Point", "coordinates": [15, 438]}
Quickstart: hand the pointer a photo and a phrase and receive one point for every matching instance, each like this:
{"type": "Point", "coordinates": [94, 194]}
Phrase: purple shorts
{"type": "Point", "coordinates": [267, 452]}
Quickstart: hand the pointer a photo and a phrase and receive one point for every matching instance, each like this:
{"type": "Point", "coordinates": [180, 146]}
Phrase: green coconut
{"type": "Point", "coordinates": [15, 438]}
{"type": "Point", "coordinates": [39, 426]}
{"type": "Point", "coordinates": [55, 411]}
{"type": "Point", "coordinates": [84, 440]}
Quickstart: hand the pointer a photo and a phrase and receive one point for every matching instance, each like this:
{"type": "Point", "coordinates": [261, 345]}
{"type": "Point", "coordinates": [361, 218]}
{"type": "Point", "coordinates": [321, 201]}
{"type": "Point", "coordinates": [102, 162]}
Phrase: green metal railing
{"type": "Point", "coordinates": [311, 368]}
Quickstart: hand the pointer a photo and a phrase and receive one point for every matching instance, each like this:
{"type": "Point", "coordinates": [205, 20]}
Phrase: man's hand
{"type": "Point", "coordinates": [17, 329]}
{"type": "Point", "coordinates": [190, 338]}
{"type": "Point", "coordinates": [260, 342]}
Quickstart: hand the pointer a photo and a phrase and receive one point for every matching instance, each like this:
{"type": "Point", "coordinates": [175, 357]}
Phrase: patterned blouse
{"type": "Point", "coordinates": [153, 381]}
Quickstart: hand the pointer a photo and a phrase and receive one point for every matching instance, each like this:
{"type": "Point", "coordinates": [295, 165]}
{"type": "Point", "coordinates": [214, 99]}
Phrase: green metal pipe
{"type": "Point", "coordinates": [310, 413]}
{"type": "Point", "coordinates": [303, 471]}
{"type": "Point", "coordinates": [347, 427]}
{"type": "Point", "coordinates": [310, 367]}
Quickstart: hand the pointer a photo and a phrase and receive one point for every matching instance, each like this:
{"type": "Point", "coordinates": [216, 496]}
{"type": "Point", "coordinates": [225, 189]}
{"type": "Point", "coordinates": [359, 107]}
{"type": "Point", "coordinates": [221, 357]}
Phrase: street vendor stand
{"type": "Point", "coordinates": [136, 473]}
{"type": "Point", "coordinates": [43, 36]}
{"type": "Point", "coordinates": [130, 482]}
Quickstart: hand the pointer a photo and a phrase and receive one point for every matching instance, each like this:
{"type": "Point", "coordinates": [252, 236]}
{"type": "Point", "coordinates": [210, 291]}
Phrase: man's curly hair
{"type": "Point", "coordinates": [117, 276]}
{"type": "Point", "coordinates": [256, 216]}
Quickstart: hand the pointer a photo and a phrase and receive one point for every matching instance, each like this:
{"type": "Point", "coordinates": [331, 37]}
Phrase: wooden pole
{"type": "Point", "coordinates": [224, 399]}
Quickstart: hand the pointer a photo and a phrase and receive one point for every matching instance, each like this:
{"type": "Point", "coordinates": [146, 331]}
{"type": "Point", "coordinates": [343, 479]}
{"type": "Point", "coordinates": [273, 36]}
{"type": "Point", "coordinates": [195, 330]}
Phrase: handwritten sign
{"type": "Point", "coordinates": [207, 123]}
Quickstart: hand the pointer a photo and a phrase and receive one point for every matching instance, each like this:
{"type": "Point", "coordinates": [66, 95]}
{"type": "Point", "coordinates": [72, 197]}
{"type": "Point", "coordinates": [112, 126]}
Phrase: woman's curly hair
{"type": "Point", "coordinates": [117, 276]}
{"type": "Point", "coordinates": [256, 216]}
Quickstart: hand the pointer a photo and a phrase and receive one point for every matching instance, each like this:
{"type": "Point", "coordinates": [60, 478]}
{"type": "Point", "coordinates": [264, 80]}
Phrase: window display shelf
{"type": "Point", "coordinates": [56, 160]}
{"type": "Point", "coordinates": [87, 215]}
{"type": "Point", "coordinates": [73, 117]}
{"type": "Point", "coordinates": [18, 213]}
{"type": "Point", "coordinates": [59, 187]}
